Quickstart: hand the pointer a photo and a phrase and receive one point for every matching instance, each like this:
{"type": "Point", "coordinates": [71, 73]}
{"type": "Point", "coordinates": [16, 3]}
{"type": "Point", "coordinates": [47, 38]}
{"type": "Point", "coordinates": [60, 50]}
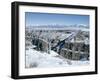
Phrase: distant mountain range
{"type": "Point", "coordinates": [60, 27]}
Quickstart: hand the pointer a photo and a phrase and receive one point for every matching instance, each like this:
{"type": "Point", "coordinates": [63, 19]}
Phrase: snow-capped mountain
{"type": "Point", "coordinates": [81, 27]}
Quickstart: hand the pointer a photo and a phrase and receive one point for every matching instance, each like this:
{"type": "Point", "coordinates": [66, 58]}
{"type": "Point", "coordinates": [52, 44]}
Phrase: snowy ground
{"type": "Point", "coordinates": [41, 59]}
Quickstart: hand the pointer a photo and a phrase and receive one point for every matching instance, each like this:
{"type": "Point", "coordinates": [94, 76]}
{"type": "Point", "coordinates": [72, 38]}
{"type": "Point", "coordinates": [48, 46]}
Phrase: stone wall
{"type": "Point", "coordinates": [41, 45]}
{"type": "Point", "coordinates": [75, 51]}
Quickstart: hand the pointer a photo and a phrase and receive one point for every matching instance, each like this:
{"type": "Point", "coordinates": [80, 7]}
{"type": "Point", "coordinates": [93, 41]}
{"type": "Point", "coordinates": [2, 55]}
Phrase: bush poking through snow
{"type": "Point", "coordinates": [35, 64]}
{"type": "Point", "coordinates": [69, 62]}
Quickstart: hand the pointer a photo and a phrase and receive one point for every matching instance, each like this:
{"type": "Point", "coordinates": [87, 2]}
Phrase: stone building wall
{"type": "Point", "coordinates": [41, 45]}
{"type": "Point", "coordinates": [75, 51]}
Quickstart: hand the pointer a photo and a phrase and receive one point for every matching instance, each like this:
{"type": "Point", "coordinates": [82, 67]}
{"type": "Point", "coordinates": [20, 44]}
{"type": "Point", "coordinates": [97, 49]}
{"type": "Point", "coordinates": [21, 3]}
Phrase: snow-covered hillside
{"type": "Point", "coordinates": [37, 59]}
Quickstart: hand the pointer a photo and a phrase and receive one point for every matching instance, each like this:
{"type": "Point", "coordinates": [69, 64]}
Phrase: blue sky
{"type": "Point", "coordinates": [32, 18]}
